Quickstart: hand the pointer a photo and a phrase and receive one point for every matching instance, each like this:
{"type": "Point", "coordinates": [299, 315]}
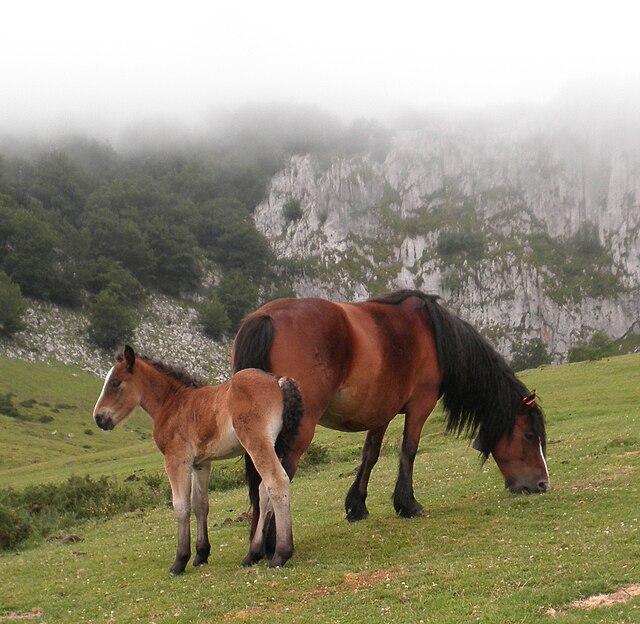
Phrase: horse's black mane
{"type": "Point", "coordinates": [480, 393]}
{"type": "Point", "coordinates": [175, 372]}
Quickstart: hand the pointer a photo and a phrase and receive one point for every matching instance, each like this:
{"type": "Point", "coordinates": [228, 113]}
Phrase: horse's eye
{"type": "Point", "coordinates": [115, 384]}
{"type": "Point", "coordinates": [529, 436]}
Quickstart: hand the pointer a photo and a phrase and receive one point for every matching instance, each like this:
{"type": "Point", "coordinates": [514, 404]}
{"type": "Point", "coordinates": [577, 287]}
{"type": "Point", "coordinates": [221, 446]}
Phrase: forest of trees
{"type": "Point", "coordinates": [82, 225]}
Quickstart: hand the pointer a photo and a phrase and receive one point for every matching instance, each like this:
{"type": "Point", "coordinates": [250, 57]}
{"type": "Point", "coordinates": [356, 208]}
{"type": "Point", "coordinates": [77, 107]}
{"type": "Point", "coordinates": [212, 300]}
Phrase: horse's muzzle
{"type": "Point", "coordinates": [528, 488]}
{"type": "Point", "coordinates": [104, 422]}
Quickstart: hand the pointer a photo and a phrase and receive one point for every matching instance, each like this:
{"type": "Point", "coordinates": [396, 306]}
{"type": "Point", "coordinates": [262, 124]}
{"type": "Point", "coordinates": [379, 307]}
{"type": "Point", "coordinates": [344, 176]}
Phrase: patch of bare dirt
{"type": "Point", "coordinates": [15, 617]}
{"type": "Point", "coordinates": [352, 582]}
{"type": "Point", "coordinates": [601, 600]}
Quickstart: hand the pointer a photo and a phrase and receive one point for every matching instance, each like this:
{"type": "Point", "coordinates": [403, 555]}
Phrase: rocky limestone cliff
{"type": "Point", "coordinates": [523, 232]}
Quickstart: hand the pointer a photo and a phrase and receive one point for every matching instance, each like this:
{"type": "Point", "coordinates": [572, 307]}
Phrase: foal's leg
{"type": "Point", "coordinates": [356, 496]}
{"type": "Point", "coordinates": [179, 474]}
{"type": "Point", "coordinates": [259, 535]}
{"type": "Point", "coordinates": [275, 483]}
{"type": "Point", "coordinates": [404, 500]}
{"type": "Point", "coordinates": [200, 506]}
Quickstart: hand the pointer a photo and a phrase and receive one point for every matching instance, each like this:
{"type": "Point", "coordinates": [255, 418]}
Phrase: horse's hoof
{"type": "Point", "coordinates": [357, 515]}
{"type": "Point", "coordinates": [173, 572]}
{"type": "Point", "coordinates": [417, 512]}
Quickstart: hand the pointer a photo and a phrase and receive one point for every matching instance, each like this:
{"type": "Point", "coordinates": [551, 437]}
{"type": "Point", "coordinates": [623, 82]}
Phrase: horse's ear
{"type": "Point", "coordinates": [130, 357]}
{"type": "Point", "coordinates": [529, 401]}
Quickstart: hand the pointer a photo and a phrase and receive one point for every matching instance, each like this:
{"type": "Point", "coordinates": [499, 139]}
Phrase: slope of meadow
{"type": "Point", "coordinates": [481, 554]}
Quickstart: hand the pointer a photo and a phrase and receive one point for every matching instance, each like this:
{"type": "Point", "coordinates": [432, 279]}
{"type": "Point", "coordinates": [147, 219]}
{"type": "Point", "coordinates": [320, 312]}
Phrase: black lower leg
{"type": "Point", "coordinates": [180, 563]}
{"type": "Point", "coordinates": [404, 500]}
{"type": "Point", "coordinates": [202, 555]}
{"type": "Point", "coordinates": [355, 501]}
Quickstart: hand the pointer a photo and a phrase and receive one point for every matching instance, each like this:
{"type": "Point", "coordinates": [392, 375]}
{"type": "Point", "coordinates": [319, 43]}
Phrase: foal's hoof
{"type": "Point", "coordinates": [173, 572]}
{"type": "Point", "coordinates": [200, 561]}
{"type": "Point", "coordinates": [251, 559]}
{"type": "Point", "coordinates": [278, 561]}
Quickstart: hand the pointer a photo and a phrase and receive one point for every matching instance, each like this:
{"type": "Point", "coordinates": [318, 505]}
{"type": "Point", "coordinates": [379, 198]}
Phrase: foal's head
{"type": "Point", "coordinates": [120, 394]}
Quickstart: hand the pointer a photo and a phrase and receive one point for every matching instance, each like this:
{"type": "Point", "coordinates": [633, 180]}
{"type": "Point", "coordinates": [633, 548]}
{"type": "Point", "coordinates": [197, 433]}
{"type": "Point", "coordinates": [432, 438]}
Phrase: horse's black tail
{"type": "Point", "coordinates": [253, 343]}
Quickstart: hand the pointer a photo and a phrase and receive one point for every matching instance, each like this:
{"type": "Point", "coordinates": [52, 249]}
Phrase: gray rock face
{"type": "Point", "coordinates": [512, 195]}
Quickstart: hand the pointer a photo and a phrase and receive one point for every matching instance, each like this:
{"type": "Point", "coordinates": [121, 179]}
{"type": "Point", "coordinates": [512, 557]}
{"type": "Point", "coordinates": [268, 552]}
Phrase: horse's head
{"type": "Point", "coordinates": [120, 394]}
{"type": "Point", "coordinates": [520, 454]}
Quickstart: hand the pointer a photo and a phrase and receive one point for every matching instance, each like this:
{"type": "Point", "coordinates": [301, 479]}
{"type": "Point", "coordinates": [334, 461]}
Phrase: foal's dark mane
{"type": "Point", "coordinates": [480, 393]}
{"type": "Point", "coordinates": [174, 372]}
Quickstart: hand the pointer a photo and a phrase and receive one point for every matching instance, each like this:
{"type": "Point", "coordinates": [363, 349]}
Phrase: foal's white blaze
{"type": "Point", "coordinates": [104, 389]}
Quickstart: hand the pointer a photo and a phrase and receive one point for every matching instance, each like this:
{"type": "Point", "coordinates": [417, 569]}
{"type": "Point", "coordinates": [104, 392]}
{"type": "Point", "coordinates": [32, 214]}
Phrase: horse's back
{"type": "Point", "coordinates": [356, 363]}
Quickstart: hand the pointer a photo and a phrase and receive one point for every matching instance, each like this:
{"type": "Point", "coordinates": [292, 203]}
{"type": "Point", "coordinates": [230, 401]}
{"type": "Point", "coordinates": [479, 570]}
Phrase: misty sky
{"type": "Point", "coordinates": [76, 63]}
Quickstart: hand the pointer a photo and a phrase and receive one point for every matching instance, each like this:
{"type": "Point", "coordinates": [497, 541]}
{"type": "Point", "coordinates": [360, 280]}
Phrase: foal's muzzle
{"type": "Point", "coordinates": [104, 422]}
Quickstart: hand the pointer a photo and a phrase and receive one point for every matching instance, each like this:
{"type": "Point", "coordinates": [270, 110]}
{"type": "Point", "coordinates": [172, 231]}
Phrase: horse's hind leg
{"type": "Point", "coordinates": [180, 479]}
{"type": "Point", "coordinates": [200, 506]}
{"type": "Point", "coordinates": [404, 500]}
{"type": "Point", "coordinates": [354, 504]}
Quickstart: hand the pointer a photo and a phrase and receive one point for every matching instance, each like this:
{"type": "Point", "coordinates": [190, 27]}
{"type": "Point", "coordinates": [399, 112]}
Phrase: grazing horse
{"type": "Point", "coordinates": [193, 424]}
{"type": "Point", "coordinates": [359, 364]}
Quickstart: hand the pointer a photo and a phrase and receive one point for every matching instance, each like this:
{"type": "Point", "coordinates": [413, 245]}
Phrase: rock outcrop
{"type": "Point", "coordinates": [524, 232]}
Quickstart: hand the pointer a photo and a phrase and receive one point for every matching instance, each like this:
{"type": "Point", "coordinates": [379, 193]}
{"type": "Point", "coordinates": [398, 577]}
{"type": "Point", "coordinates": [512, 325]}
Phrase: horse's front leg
{"type": "Point", "coordinates": [404, 500]}
{"type": "Point", "coordinates": [179, 473]}
{"type": "Point", "coordinates": [200, 506]}
{"type": "Point", "coordinates": [355, 504]}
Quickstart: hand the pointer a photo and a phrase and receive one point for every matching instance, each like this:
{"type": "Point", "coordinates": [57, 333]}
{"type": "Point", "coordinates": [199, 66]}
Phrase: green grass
{"type": "Point", "coordinates": [480, 555]}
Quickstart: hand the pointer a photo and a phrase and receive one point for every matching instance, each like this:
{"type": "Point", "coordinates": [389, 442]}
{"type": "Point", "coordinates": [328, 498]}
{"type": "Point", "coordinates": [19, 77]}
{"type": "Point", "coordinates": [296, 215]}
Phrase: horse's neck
{"type": "Point", "coordinates": [157, 390]}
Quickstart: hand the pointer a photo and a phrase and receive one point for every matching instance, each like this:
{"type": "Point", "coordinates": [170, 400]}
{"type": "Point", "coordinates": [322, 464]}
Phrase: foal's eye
{"type": "Point", "coordinates": [115, 384]}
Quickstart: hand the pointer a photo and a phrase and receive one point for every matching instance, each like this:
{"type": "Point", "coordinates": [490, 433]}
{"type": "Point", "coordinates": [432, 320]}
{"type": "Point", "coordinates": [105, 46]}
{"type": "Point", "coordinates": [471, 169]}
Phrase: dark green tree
{"type": "Point", "coordinates": [111, 322]}
{"type": "Point", "coordinates": [529, 354]}
{"type": "Point", "coordinates": [598, 347]}
{"type": "Point", "coordinates": [12, 306]}
{"type": "Point", "coordinates": [239, 296]}
{"type": "Point", "coordinates": [214, 319]}
{"type": "Point", "coordinates": [60, 185]}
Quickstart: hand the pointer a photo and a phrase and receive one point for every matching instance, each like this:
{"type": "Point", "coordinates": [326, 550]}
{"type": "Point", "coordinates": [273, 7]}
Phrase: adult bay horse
{"type": "Point", "coordinates": [360, 364]}
{"type": "Point", "coordinates": [193, 424]}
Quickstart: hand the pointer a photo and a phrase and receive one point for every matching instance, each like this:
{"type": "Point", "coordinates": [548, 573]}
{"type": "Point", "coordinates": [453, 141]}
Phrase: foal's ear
{"type": "Point", "coordinates": [130, 357]}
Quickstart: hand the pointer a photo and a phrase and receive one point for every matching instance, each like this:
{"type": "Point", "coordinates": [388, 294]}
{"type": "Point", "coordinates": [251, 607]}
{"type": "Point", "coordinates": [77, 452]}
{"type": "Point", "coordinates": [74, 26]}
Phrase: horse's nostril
{"type": "Point", "coordinates": [543, 486]}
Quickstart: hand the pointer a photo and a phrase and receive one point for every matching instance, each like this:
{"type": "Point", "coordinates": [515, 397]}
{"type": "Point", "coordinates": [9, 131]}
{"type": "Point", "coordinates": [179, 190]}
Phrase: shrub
{"type": "Point", "coordinates": [12, 306]}
{"type": "Point", "coordinates": [238, 295]}
{"type": "Point", "coordinates": [14, 528]}
{"type": "Point", "coordinates": [292, 210]}
{"type": "Point", "coordinates": [315, 455]}
{"type": "Point", "coordinates": [7, 407]}
{"type": "Point", "coordinates": [597, 348]}
{"type": "Point", "coordinates": [530, 354]}
{"type": "Point", "coordinates": [112, 323]}
{"type": "Point", "coordinates": [452, 243]}
{"type": "Point", "coordinates": [214, 319]}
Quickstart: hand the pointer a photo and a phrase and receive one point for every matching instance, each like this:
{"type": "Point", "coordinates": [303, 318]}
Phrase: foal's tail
{"type": "Point", "coordinates": [292, 412]}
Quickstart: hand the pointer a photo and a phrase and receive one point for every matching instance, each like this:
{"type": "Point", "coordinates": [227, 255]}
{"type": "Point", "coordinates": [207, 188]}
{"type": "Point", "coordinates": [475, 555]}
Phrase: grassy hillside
{"type": "Point", "coordinates": [480, 555]}
{"type": "Point", "coordinates": [47, 430]}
